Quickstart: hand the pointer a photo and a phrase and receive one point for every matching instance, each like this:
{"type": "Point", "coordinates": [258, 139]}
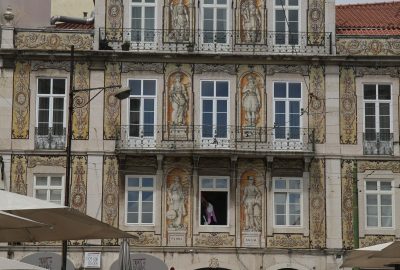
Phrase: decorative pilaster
{"type": "Point", "coordinates": [317, 112]}
{"type": "Point", "coordinates": [112, 106]}
{"type": "Point", "coordinates": [21, 101]}
{"type": "Point", "coordinates": [80, 117]}
{"type": "Point", "coordinates": [347, 167]}
{"type": "Point", "coordinates": [78, 194]}
{"type": "Point", "coordinates": [348, 106]}
{"type": "Point", "coordinates": [317, 204]}
{"type": "Point", "coordinates": [110, 194]}
{"type": "Point", "coordinates": [316, 22]}
{"type": "Point", "coordinates": [19, 165]}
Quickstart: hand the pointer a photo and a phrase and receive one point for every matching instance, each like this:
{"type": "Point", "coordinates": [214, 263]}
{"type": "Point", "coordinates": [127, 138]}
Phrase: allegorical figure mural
{"type": "Point", "coordinates": [176, 204]}
{"type": "Point", "coordinates": [252, 206]}
{"type": "Point", "coordinates": [179, 21]}
{"type": "Point", "coordinates": [251, 101]}
{"type": "Point", "coordinates": [250, 18]}
{"type": "Point", "coordinates": [179, 99]}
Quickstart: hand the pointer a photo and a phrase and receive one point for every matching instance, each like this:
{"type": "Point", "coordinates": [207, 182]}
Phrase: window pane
{"type": "Point", "coordinates": [147, 182]}
{"type": "Point", "coordinates": [133, 196]}
{"type": "Point", "coordinates": [280, 198]}
{"type": "Point", "coordinates": [294, 220]}
{"type": "Point", "coordinates": [41, 194]}
{"type": "Point", "coordinates": [386, 199]}
{"type": "Point", "coordinates": [384, 92]}
{"type": "Point", "coordinates": [280, 220]}
{"type": "Point", "coordinates": [147, 207]}
{"type": "Point", "coordinates": [133, 206]}
{"type": "Point", "coordinates": [280, 90]}
{"type": "Point", "coordinates": [372, 210]}
{"type": "Point", "coordinates": [222, 89]}
{"type": "Point", "coordinates": [148, 105]}
{"type": "Point", "coordinates": [133, 182]}
{"type": "Point", "coordinates": [369, 91]}
{"type": "Point", "coordinates": [206, 183]}
{"type": "Point", "coordinates": [55, 181]}
{"type": "Point", "coordinates": [132, 218]}
{"type": "Point", "coordinates": [371, 185]}
{"type": "Point", "coordinates": [147, 196]}
{"type": "Point", "coordinates": [147, 217]}
{"type": "Point", "coordinates": [58, 86]}
{"type": "Point", "coordinates": [44, 86]}
{"type": "Point", "coordinates": [293, 2]}
{"type": "Point", "coordinates": [386, 185]}
{"type": "Point", "coordinates": [214, 208]}
{"type": "Point", "coordinates": [135, 86]}
{"type": "Point", "coordinates": [294, 198]}
{"type": "Point", "coordinates": [294, 90]}
{"type": "Point", "coordinates": [221, 183]}
{"type": "Point", "coordinates": [207, 89]}
{"type": "Point", "coordinates": [372, 199]}
{"type": "Point", "coordinates": [149, 87]}
{"type": "Point", "coordinates": [280, 184]}
{"type": "Point", "coordinates": [280, 15]}
{"type": "Point", "coordinates": [372, 221]}
{"type": "Point", "coordinates": [279, 2]}
{"type": "Point", "coordinates": [41, 181]}
{"type": "Point", "coordinates": [386, 211]}
{"type": "Point", "coordinates": [293, 15]}
{"type": "Point", "coordinates": [386, 222]}
{"type": "Point", "coordinates": [55, 195]}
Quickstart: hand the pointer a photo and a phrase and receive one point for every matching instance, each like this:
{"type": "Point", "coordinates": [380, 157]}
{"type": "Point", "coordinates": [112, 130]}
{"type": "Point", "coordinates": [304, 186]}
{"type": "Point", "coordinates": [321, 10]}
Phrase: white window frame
{"type": "Point", "coordinates": [51, 97]}
{"type": "Point", "coordinates": [215, 6]}
{"type": "Point", "coordinates": [140, 190]}
{"type": "Point", "coordinates": [215, 99]}
{"type": "Point", "coordinates": [142, 97]}
{"type": "Point", "coordinates": [143, 5]}
{"type": "Point", "coordinates": [287, 99]}
{"type": "Point", "coordinates": [214, 189]}
{"type": "Point", "coordinates": [48, 187]}
{"type": "Point", "coordinates": [378, 101]}
{"type": "Point", "coordinates": [287, 8]}
{"type": "Point", "coordinates": [378, 193]}
{"type": "Point", "coordinates": [287, 190]}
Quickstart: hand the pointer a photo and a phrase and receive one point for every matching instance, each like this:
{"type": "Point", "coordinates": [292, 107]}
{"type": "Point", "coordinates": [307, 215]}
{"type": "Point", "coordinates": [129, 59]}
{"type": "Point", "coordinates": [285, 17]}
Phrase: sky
{"type": "Point", "coordinates": [341, 2]}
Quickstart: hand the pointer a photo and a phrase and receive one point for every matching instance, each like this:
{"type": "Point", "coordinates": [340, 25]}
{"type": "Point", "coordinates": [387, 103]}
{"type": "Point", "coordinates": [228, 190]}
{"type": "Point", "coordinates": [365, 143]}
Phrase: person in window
{"type": "Point", "coordinates": [208, 214]}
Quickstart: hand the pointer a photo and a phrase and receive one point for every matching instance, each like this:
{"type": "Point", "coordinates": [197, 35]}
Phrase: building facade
{"type": "Point", "coordinates": [258, 134]}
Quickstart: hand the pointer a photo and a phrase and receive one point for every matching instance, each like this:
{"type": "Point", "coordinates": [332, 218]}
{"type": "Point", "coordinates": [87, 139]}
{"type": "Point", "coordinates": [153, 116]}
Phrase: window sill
{"type": "Point", "coordinates": [138, 227]}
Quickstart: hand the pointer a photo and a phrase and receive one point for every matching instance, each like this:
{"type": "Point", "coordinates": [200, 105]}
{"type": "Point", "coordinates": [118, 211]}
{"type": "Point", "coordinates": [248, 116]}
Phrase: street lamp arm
{"type": "Point", "coordinates": [97, 88]}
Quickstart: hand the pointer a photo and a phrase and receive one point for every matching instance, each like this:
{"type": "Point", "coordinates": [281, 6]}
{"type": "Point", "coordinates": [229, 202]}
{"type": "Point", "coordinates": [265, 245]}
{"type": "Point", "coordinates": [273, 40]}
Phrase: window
{"type": "Point", "coordinates": [142, 108]}
{"type": "Point", "coordinates": [143, 19]}
{"type": "Point", "coordinates": [379, 201]}
{"type": "Point", "coordinates": [214, 99]}
{"type": "Point", "coordinates": [139, 197]}
{"type": "Point", "coordinates": [50, 106]}
{"type": "Point", "coordinates": [287, 201]}
{"type": "Point", "coordinates": [214, 200]}
{"type": "Point", "coordinates": [287, 22]}
{"type": "Point", "coordinates": [287, 100]}
{"type": "Point", "coordinates": [377, 112]}
{"type": "Point", "coordinates": [49, 188]}
{"type": "Point", "coordinates": [215, 21]}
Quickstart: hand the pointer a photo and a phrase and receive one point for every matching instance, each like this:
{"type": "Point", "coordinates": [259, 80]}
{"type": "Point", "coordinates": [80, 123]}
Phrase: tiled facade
{"type": "Point", "coordinates": [242, 145]}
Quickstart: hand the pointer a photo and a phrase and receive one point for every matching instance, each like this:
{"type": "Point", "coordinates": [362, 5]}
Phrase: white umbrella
{"type": "Point", "coordinates": [7, 264]}
{"type": "Point", "coordinates": [378, 256]}
{"type": "Point", "coordinates": [64, 223]}
{"type": "Point", "coordinates": [124, 256]}
{"type": "Point", "coordinates": [9, 221]}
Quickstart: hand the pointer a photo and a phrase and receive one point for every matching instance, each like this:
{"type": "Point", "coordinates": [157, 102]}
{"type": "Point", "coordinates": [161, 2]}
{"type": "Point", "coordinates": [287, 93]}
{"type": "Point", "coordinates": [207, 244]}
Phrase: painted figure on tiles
{"type": "Point", "coordinates": [251, 101]}
{"type": "Point", "coordinates": [251, 21]}
{"type": "Point", "coordinates": [179, 21]}
{"type": "Point", "coordinates": [252, 206]}
{"type": "Point", "coordinates": [176, 204]}
{"type": "Point", "coordinates": [179, 99]}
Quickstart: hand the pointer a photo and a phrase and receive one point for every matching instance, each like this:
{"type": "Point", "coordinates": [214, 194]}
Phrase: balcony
{"type": "Point", "coordinates": [50, 139]}
{"type": "Point", "coordinates": [228, 138]}
{"type": "Point", "coordinates": [221, 42]}
{"type": "Point", "coordinates": [378, 143]}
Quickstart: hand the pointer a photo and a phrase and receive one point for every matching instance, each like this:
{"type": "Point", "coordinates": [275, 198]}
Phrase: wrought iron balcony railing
{"type": "Point", "coordinates": [378, 143]}
{"type": "Point", "coordinates": [183, 138]}
{"type": "Point", "coordinates": [199, 41]}
{"type": "Point", "coordinates": [50, 138]}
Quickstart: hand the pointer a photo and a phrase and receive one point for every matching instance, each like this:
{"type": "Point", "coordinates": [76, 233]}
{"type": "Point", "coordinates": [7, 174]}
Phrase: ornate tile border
{"type": "Point", "coordinates": [112, 106]}
{"type": "Point", "coordinates": [80, 117]}
{"type": "Point", "coordinates": [348, 106]}
{"type": "Point", "coordinates": [317, 114]}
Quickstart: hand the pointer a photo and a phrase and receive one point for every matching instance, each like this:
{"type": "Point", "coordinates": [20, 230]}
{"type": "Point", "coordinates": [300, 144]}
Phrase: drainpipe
{"type": "Point", "coordinates": [356, 238]}
{"type": "Point", "coordinates": [67, 19]}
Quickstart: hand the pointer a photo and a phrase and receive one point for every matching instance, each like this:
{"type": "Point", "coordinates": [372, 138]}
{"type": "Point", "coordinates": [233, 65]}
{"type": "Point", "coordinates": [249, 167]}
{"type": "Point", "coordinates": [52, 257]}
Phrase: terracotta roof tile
{"type": "Point", "coordinates": [368, 19]}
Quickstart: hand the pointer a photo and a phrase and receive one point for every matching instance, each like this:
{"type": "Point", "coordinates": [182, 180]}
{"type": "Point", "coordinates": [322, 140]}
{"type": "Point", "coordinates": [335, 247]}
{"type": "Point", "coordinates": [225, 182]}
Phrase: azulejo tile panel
{"type": "Point", "coordinates": [145, 239]}
{"type": "Point", "coordinates": [214, 240]}
{"type": "Point", "coordinates": [58, 161]}
{"type": "Point", "coordinates": [19, 166]}
{"type": "Point", "coordinates": [21, 100]}
{"type": "Point", "coordinates": [317, 204]}
{"type": "Point", "coordinates": [288, 241]}
{"type": "Point", "coordinates": [393, 166]}
{"type": "Point", "coordinates": [316, 22]}
{"type": "Point", "coordinates": [317, 115]}
{"type": "Point", "coordinates": [80, 118]}
{"type": "Point", "coordinates": [79, 172]}
{"type": "Point", "coordinates": [53, 41]}
{"type": "Point", "coordinates": [348, 106]}
{"type": "Point", "coordinates": [371, 240]}
{"type": "Point", "coordinates": [364, 46]}
{"type": "Point", "coordinates": [112, 106]}
{"type": "Point", "coordinates": [347, 167]}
